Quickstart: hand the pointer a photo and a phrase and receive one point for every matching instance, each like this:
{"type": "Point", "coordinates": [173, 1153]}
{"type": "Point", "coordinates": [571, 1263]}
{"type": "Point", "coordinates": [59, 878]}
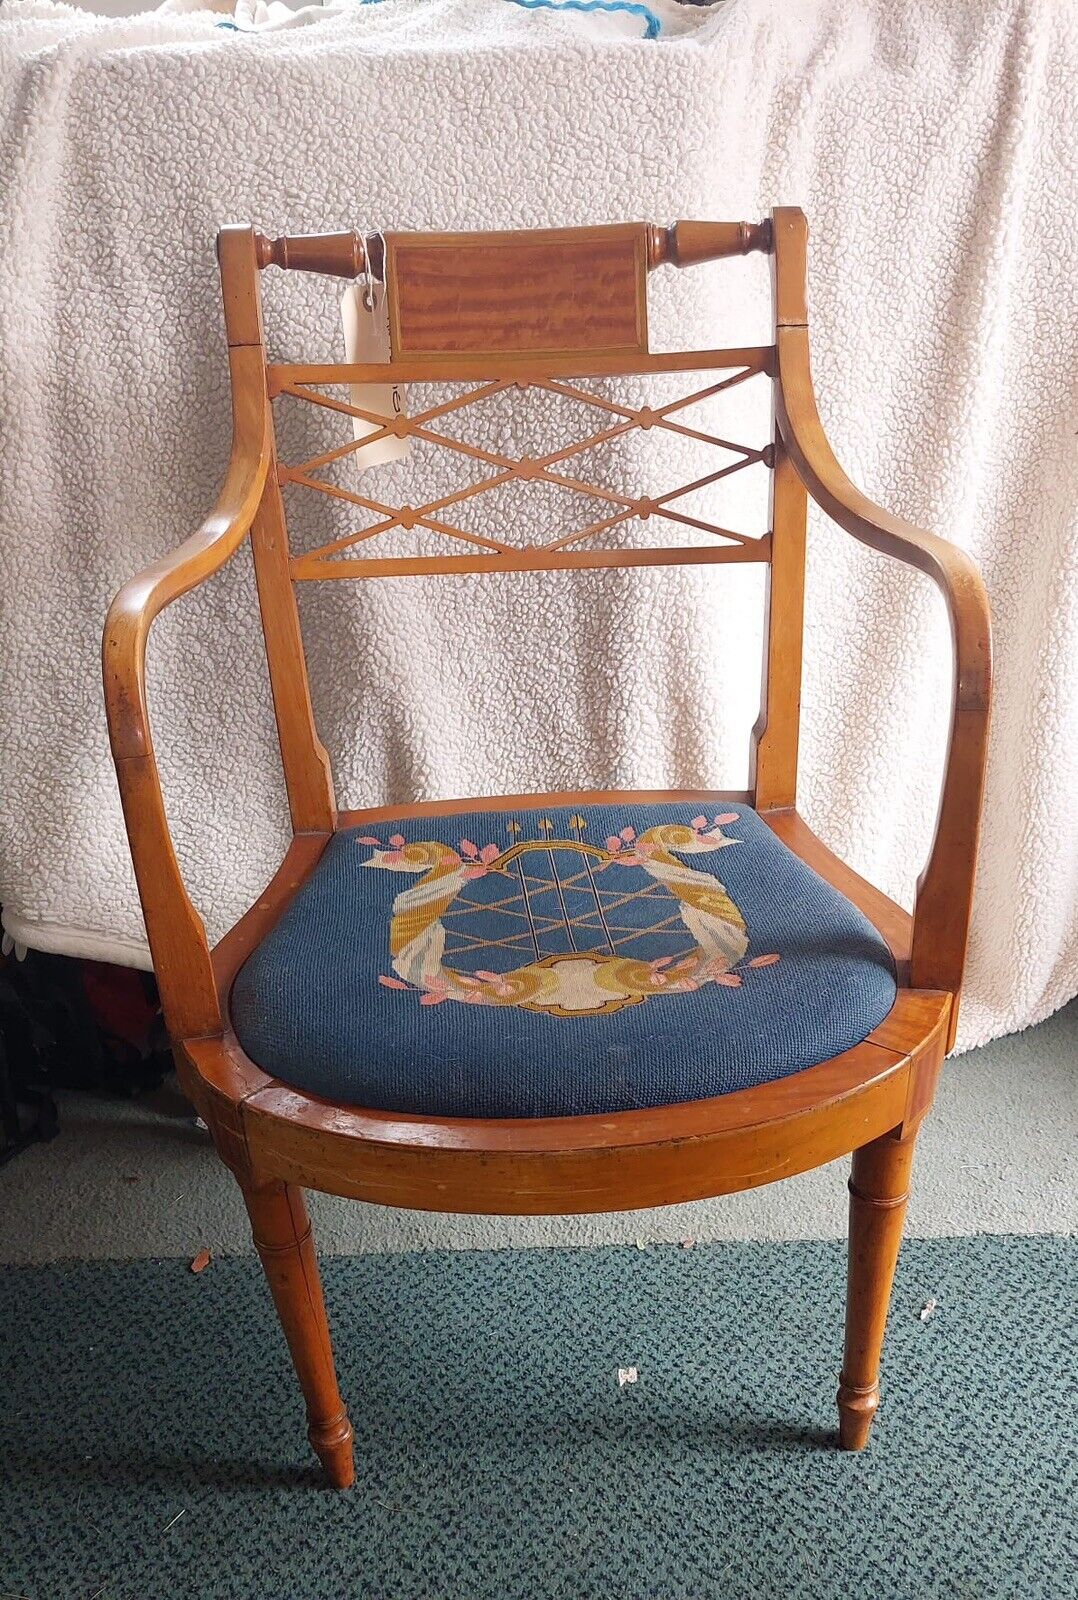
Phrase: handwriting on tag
{"type": "Point", "coordinates": [366, 342]}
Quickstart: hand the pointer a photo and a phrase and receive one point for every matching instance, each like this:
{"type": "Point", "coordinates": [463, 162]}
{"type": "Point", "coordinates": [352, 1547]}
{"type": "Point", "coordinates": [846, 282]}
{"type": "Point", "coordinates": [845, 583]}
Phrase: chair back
{"type": "Point", "coordinates": [553, 315]}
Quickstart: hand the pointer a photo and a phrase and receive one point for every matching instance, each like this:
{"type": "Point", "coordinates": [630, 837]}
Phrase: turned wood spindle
{"type": "Point", "coordinates": [283, 1239]}
{"type": "Point", "coordinates": [337, 255]}
{"type": "Point", "coordinates": [879, 1190]}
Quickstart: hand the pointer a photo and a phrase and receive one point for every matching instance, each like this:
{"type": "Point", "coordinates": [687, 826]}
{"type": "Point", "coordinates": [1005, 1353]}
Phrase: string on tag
{"type": "Point", "coordinates": [368, 270]}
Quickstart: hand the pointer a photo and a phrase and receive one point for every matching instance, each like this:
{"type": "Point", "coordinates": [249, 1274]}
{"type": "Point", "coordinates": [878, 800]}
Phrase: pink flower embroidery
{"type": "Point", "coordinates": [391, 983]}
{"type": "Point", "coordinates": [764, 961]}
{"type": "Point", "coordinates": [617, 844]}
{"type": "Point", "coordinates": [718, 974]}
{"type": "Point", "coordinates": [700, 823]}
{"type": "Point", "coordinates": [479, 860]}
{"type": "Point", "coordinates": [368, 838]}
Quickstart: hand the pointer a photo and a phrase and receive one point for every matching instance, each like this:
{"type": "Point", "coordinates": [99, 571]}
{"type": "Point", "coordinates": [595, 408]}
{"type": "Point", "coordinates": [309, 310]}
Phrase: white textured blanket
{"type": "Point", "coordinates": [932, 147]}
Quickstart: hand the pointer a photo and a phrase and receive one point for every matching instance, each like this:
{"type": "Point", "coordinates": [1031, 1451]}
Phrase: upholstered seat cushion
{"type": "Point", "coordinates": [558, 962]}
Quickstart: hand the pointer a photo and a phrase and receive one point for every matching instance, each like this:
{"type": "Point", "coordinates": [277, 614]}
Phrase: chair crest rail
{"type": "Point", "coordinates": [345, 254]}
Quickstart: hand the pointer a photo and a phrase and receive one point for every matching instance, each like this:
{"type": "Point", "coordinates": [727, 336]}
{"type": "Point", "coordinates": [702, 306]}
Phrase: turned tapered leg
{"type": "Point", "coordinates": [283, 1239]}
{"type": "Point", "coordinates": [879, 1189]}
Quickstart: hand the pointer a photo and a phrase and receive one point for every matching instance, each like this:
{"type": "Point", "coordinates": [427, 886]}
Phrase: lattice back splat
{"type": "Point", "coordinates": [577, 546]}
{"type": "Point", "coordinates": [344, 557]}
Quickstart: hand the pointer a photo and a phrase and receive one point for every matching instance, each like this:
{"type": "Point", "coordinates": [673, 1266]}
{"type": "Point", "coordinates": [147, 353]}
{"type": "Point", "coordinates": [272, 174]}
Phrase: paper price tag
{"type": "Point", "coordinates": [366, 341]}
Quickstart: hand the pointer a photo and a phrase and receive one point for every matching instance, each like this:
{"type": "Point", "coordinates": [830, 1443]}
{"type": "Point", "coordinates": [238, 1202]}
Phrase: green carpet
{"type": "Point", "coordinates": [499, 1458]}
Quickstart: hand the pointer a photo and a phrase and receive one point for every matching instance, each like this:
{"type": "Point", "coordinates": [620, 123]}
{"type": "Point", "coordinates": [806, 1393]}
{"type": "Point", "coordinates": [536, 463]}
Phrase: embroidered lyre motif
{"type": "Point", "coordinates": [564, 926]}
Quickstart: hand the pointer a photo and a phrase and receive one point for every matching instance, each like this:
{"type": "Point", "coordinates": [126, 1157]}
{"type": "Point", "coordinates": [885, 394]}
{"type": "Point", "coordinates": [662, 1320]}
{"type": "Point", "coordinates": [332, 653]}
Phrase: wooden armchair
{"type": "Point", "coordinates": [549, 1003]}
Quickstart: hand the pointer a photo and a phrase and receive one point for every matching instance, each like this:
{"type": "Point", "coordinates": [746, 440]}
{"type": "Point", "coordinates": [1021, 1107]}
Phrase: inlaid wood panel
{"type": "Point", "coordinates": [547, 291]}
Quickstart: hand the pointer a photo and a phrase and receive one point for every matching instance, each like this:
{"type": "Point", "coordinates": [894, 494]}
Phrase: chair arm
{"type": "Point", "coordinates": [176, 932]}
{"type": "Point", "coordinates": [945, 887]}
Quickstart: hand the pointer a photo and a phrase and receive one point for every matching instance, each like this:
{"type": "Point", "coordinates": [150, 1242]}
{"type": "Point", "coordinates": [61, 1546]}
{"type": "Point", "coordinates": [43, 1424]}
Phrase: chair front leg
{"type": "Point", "coordinates": [284, 1241]}
{"type": "Point", "coordinates": [879, 1190]}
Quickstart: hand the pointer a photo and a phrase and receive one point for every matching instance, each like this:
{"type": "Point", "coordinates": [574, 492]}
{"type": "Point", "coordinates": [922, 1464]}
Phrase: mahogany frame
{"type": "Point", "coordinates": [278, 1140]}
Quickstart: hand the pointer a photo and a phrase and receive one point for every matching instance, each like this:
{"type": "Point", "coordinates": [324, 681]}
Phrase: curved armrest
{"type": "Point", "coordinates": [176, 932]}
{"type": "Point", "coordinates": [945, 887]}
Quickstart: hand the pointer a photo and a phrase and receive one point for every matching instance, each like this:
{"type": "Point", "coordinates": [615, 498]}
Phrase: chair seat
{"type": "Point", "coordinates": [552, 962]}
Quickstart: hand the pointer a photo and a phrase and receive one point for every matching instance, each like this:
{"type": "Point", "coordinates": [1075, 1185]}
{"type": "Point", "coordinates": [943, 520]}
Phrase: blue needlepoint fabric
{"type": "Point", "coordinates": [559, 962]}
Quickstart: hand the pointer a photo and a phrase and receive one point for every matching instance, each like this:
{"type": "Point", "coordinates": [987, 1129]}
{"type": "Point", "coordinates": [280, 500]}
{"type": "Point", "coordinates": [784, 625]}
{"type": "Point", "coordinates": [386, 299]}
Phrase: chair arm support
{"type": "Point", "coordinates": [176, 933]}
{"type": "Point", "coordinates": [945, 887]}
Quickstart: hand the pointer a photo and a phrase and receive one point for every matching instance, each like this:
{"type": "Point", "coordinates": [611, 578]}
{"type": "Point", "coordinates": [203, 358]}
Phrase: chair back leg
{"type": "Point", "coordinates": [879, 1190]}
{"type": "Point", "coordinates": [285, 1243]}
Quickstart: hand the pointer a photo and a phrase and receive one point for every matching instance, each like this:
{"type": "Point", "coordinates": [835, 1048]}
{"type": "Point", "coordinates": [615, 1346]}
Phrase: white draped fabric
{"type": "Point", "coordinates": [932, 148]}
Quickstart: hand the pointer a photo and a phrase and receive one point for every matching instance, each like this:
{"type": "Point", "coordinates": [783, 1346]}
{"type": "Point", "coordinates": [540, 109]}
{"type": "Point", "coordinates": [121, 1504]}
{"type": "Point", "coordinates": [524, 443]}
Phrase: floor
{"type": "Point", "coordinates": [152, 1443]}
{"type": "Point", "coordinates": [639, 1418]}
{"type": "Point", "coordinates": [999, 1154]}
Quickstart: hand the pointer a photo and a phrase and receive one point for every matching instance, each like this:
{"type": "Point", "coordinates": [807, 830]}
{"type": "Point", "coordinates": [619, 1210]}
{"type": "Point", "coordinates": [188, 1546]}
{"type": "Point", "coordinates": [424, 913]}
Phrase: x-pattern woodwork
{"type": "Point", "coordinates": [618, 507]}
